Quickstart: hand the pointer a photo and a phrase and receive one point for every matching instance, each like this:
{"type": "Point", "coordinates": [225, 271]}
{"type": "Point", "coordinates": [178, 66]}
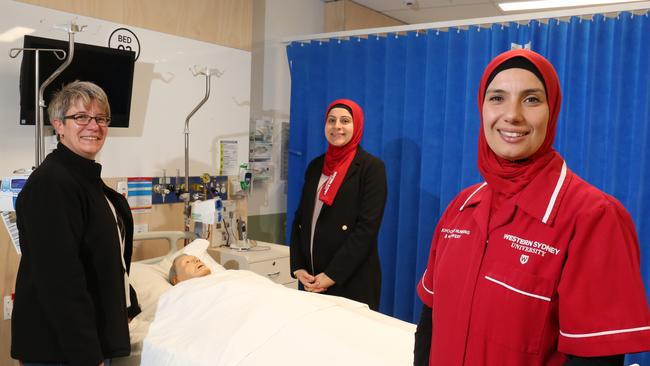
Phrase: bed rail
{"type": "Point", "coordinates": [172, 238]}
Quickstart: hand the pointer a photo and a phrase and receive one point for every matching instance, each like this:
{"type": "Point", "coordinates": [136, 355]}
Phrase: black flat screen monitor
{"type": "Point", "coordinates": [110, 68]}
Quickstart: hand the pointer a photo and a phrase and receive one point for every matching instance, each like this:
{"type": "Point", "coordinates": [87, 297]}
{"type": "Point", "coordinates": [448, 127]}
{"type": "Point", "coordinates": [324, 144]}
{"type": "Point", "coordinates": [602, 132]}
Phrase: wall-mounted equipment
{"type": "Point", "coordinates": [168, 189]}
{"type": "Point", "coordinates": [111, 69]}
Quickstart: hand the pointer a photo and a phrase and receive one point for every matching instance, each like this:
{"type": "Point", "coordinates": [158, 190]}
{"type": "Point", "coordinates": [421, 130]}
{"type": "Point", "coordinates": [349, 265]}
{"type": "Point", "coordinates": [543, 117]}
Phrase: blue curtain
{"type": "Point", "coordinates": [418, 92]}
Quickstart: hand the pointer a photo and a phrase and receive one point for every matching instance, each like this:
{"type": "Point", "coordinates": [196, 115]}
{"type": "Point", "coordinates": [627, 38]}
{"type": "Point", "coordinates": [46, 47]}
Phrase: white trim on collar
{"type": "Point", "coordinates": [471, 195]}
{"type": "Point", "coordinates": [558, 185]}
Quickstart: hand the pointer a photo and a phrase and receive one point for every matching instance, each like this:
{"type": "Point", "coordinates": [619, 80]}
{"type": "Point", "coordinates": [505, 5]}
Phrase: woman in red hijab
{"type": "Point", "coordinates": [534, 266]}
{"type": "Point", "coordinates": [334, 232]}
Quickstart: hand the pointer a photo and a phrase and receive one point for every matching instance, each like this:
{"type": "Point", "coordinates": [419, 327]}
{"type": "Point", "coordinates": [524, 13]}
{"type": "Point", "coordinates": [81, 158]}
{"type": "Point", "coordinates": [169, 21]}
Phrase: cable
{"type": "Point", "coordinates": [229, 233]}
{"type": "Point", "coordinates": [225, 228]}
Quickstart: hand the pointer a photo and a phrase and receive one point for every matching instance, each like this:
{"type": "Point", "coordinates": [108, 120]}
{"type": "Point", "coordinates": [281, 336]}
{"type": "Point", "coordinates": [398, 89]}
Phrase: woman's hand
{"type": "Point", "coordinates": [318, 283]}
{"type": "Point", "coordinates": [322, 282]}
{"type": "Point", "coordinates": [305, 278]}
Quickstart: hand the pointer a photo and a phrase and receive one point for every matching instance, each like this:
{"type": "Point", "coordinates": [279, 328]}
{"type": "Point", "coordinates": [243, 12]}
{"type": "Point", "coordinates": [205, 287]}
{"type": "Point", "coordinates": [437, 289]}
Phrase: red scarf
{"type": "Point", "coordinates": [508, 177]}
{"type": "Point", "coordinates": [338, 159]}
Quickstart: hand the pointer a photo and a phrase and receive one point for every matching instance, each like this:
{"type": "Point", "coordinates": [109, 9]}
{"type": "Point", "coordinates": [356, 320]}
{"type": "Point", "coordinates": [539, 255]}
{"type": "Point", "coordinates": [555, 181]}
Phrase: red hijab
{"type": "Point", "coordinates": [339, 158]}
{"type": "Point", "coordinates": [510, 177]}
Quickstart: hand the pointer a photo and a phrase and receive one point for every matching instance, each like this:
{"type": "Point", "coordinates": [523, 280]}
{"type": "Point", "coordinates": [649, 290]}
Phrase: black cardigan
{"type": "Point", "coordinates": [345, 237]}
{"type": "Point", "coordinates": [70, 304]}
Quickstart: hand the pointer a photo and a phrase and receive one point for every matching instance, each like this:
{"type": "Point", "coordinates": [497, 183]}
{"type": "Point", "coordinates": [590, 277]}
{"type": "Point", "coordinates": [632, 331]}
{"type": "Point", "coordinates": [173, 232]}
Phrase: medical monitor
{"type": "Point", "coordinates": [110, 68]}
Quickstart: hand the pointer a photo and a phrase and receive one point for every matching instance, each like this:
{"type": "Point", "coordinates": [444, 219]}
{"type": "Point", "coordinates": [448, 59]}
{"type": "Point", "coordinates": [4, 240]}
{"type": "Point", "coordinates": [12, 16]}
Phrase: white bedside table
{"type": "Point", "coordinates": [266, 259]}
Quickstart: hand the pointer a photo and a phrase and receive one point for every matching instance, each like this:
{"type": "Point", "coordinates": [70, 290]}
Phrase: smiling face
{"type": "Point", "coordinates": [187, 267]}
{"type": "Point", "coordinates": [85, 141]}
{"type": "Point", "coordinates": [339, 127]}
{"type": "Point", "coordinates": [515, 114]}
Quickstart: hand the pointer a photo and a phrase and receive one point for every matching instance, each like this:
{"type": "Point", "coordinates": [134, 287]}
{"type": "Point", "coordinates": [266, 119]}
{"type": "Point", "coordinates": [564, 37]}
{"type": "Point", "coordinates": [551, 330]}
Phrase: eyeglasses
{"type": "Point", "coordinates": [84, 119]}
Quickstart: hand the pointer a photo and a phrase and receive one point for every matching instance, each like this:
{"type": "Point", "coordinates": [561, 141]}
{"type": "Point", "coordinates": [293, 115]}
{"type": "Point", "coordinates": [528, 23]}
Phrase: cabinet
{"type": "Point", "coordinates": [267, 259]}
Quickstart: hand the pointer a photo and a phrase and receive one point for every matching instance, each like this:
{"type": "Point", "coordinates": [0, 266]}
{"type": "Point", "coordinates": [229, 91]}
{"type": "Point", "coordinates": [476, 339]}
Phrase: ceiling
{"type": "Point", "coordinates": [427, 11]}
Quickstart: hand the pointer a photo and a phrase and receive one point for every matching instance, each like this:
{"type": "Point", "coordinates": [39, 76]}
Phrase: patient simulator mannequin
{"type": "Point", "coordinates": [186, 267]}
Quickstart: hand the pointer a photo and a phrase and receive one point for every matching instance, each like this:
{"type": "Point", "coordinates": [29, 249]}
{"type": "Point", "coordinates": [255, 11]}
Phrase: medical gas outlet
{"type": "Point", "coordinates": [165, 186]}
{"type": "Point", "coordinates": [171, 189]}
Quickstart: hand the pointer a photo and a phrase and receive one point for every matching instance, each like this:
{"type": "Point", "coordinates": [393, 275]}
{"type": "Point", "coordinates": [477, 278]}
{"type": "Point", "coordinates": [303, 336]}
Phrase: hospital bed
{"type": "Point", "coordinates": [148, 278]}
{"type": "Point", "coordinates": [237, 317]}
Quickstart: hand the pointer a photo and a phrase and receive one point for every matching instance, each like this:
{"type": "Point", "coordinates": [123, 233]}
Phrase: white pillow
{"type": "Point", "coordinates": [197, 248]}
{"type": "Point", "coordinates": [149, 283]}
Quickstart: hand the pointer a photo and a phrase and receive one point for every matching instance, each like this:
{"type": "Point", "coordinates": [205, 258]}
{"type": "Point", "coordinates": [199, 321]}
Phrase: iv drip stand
{"type": "Point", "coordinates": [39, 104]}
{"type": "Point", "coordinates": [186, 187]}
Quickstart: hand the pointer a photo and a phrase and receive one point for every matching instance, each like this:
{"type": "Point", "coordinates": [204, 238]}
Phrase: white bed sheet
{"type": "Point", "coordinates": [149, 279]}
{"type": "Point", "coordinates": [149, 282]}
{"type": "Point", "coordinates": [241, 318]}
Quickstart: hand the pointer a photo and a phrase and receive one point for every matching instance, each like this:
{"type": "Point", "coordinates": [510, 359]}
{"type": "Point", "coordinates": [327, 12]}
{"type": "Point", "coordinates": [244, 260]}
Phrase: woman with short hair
{"type": "Point", "coordinates": [73, 298]}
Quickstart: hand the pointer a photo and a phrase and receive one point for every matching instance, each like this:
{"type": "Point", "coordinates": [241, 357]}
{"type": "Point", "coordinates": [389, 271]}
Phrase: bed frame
{"type": "Point", "coordinates": [172, 238]}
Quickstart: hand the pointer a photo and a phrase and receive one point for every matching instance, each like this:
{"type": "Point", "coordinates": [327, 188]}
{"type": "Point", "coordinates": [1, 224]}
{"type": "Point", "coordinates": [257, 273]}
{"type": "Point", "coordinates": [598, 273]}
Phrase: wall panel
{"type": "Point", "coordinates": [224, 22]}
{"type": "Point", "coordinates": [346, 15]}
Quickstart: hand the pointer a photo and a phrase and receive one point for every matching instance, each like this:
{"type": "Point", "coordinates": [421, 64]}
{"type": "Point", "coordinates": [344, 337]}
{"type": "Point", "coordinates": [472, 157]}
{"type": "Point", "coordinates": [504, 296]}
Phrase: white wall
{"type": "Point", "coordinates": [283, 18]}
{"type": "Point", "coordinates": [164, 93]}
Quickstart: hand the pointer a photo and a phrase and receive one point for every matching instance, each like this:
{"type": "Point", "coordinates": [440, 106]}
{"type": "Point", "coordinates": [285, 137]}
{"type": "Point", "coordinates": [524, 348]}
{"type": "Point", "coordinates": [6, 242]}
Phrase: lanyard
{"type": "Point", "coordinates": [121, 234]}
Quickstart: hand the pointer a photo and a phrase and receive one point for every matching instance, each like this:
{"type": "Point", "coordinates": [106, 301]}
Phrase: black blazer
{"type": "Point", "coordinates": [70, 304]}
{"type": "Point", "coordinates": [345, 237]}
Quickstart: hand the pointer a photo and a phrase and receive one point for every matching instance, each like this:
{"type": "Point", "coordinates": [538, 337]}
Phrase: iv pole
{"type": "Point", "coordinates": [186, 187]}
{"type": "Point", "coordinates": [71, 28]}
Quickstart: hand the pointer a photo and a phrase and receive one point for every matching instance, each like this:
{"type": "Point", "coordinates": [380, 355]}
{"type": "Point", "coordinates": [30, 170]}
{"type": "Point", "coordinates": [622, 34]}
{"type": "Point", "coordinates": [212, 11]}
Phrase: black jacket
{"type": "Point", "coordinates": [70, 304]}
{"type": "Point", "coordinates": [345, 237]}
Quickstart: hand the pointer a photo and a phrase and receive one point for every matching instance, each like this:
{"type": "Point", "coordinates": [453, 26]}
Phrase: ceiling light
{"type": "Point", "coordinates": [546, 4]}
{"type": "Point", "coordinates": [14, 33]}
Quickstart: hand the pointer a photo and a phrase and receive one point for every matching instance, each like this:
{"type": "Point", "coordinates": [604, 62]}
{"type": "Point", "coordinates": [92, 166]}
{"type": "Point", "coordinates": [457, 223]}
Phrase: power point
{"type": "Point", "coordinates": [8, 307]}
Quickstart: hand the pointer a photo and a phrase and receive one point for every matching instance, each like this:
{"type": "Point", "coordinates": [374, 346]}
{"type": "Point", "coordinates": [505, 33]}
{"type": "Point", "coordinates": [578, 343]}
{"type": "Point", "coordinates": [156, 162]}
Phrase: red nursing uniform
{"type": "Point", "coordinates": [556, 273]}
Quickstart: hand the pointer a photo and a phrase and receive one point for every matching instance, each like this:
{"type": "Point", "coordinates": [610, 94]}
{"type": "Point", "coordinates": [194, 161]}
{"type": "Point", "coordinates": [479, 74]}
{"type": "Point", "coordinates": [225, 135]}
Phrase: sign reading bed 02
{"type": "Point", "coordinates": [112, 69]}
{"type": "Point", "coordinates": [124, 39]}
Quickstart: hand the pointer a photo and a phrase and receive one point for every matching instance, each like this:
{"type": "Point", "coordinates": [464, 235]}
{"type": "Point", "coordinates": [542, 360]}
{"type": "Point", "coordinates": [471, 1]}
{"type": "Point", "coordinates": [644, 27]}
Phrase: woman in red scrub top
{"type": "Point", "coordinates": [534, 266]}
